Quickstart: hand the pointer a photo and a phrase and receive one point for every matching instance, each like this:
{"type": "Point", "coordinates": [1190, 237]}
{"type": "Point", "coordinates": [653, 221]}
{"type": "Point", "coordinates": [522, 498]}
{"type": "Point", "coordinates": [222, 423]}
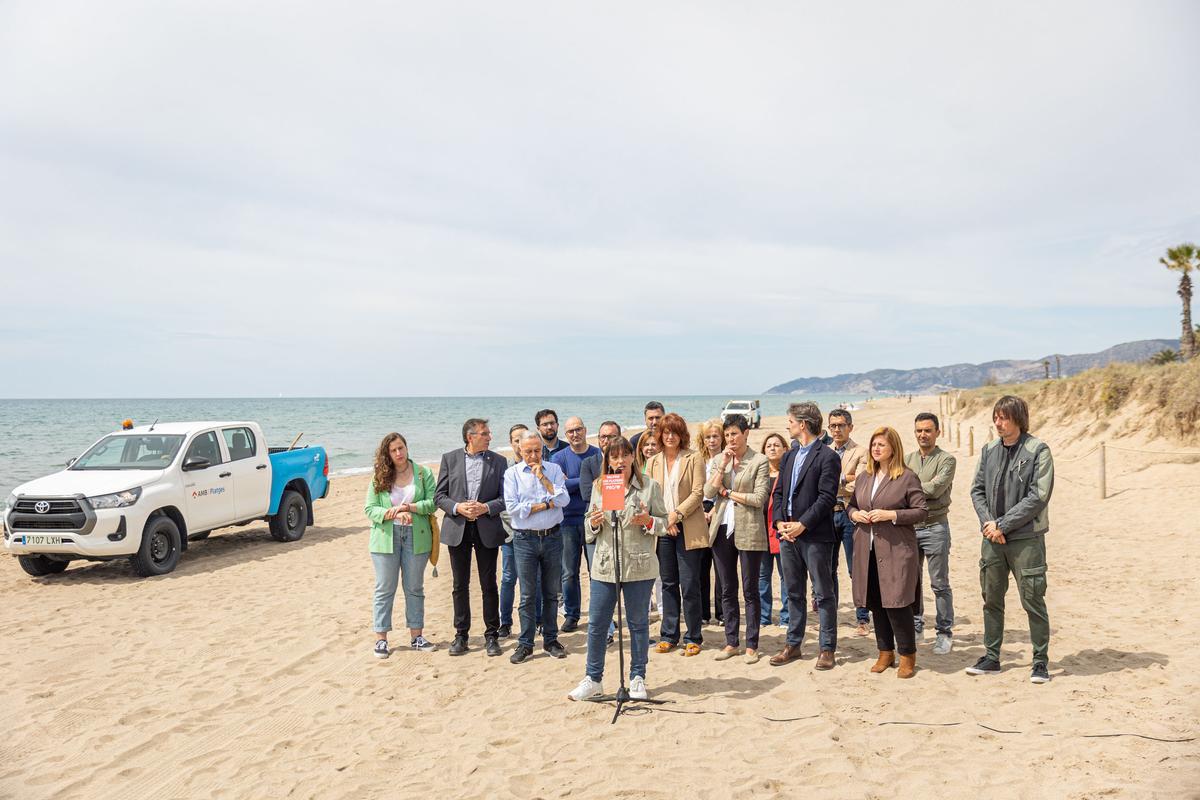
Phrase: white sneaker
{"type": "Point", "coordinates": [637, 689]}
{"type": "Point", "coordinates": [943, 644]}
{"type": "Point", "coordinates": [586, 690]}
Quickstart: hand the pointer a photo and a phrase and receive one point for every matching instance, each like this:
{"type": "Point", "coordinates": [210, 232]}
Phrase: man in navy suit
{"type": "Point", "coordinates": [470, 491]}
{"type": "Point", "coordinates": [802, 513]}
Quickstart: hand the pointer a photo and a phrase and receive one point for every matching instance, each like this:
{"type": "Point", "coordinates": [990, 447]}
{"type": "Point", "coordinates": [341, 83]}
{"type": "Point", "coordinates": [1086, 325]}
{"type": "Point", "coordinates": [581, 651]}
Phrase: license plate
{"type": "Point", "coordinates": [36, 540]}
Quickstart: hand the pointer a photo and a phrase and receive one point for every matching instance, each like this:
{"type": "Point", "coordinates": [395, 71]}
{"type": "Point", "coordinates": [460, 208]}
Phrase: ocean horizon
{"type": "Point", "coordinates": [37, 437]}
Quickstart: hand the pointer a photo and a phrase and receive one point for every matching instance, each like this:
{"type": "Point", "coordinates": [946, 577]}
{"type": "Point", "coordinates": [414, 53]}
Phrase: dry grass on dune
{"type": "Point", "coordinates": [1118, 400]}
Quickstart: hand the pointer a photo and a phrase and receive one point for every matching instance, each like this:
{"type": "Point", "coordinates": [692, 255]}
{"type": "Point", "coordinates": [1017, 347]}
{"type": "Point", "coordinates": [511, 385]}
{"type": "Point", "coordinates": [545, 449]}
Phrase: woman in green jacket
{"type": "Point", "coordinates": [400, 507]}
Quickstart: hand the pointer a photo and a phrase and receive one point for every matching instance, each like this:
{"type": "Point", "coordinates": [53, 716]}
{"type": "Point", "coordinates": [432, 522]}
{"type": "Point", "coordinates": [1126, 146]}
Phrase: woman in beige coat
{"type": "Point", "coordinates": [887, 503]}
{"type": "Point", "coordinates": [680, 474]}
{"type": "Point", "coordinates": [739, 483]}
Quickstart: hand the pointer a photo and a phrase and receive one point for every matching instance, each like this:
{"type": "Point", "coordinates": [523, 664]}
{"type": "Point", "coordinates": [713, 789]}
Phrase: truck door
{"type": "Point", "coordinates": [208, 491]}
{"type": "Point", "coordinates": [251, 471]}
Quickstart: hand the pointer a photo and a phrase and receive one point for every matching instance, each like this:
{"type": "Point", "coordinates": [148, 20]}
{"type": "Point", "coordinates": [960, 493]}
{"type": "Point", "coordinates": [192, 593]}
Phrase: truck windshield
{"type": "Point", "coordinates": [737, 407]}
{"type": "Point", "coordinates": [123, 451]}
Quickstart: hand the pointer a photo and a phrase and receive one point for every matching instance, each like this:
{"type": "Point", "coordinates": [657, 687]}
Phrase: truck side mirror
{"type": "Point", "coordinates": [71, 461]}
{"type": "Point", "coordinates": [196, 462]}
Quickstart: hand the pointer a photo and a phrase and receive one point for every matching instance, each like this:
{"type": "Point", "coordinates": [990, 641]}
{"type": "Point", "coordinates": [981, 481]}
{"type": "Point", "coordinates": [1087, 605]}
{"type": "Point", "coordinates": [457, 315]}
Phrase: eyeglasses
{"type": "Point", "coordinates": [837, 426]}
{"type": "Point", "coordinates": [575, 430]}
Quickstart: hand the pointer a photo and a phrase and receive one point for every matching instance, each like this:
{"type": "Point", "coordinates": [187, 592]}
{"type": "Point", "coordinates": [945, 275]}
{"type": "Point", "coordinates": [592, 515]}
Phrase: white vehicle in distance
{"type": "Point", "coordinates": [143, 493]}
{"type": "Point", "coordinates": [746, 408]}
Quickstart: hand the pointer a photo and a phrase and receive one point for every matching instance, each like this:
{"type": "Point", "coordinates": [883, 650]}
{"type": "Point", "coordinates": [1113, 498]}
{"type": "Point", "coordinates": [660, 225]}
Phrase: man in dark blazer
{"type": "Point", "coordinates": [470, 491]}
{"type": "Point", "coordinates": [802, 513]}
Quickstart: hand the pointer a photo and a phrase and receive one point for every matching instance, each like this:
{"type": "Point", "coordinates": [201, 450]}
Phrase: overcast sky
{"type": "Point", "coordinates": [247, 199]}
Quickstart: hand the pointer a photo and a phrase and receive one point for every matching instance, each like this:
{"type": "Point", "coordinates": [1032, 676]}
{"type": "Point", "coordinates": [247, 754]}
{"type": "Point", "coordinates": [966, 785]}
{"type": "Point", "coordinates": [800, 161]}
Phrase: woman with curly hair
{"type": "Point", "coordinates": [400, 507]}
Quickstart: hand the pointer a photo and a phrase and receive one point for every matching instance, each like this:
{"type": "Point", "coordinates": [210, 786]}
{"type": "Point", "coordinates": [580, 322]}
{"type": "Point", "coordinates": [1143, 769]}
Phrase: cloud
{"type": "Point", "coordinates": [698, 196]}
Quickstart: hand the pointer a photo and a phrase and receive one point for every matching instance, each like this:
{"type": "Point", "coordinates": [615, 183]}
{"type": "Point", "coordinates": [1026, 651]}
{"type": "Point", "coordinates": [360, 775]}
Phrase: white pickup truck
{"type": "Point", "coordinates": [143, 493]}
{"type": "Point", "coordinates": [746, 408]}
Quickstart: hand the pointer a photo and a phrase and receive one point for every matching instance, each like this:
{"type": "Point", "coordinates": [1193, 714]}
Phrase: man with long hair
{"type": "Point", "coordinates": [1011, 494]}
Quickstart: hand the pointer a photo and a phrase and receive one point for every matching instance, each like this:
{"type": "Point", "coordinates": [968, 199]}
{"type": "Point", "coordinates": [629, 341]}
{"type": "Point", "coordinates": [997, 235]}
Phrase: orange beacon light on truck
{"type": "Point", "coordinates": [127, 425]}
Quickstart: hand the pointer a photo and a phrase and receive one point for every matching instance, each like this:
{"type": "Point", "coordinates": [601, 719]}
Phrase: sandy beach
{"type": "Point", "coordinates": [247, 673]}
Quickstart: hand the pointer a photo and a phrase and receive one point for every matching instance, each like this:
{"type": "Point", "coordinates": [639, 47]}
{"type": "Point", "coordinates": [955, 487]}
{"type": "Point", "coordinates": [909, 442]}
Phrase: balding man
{"type": "Point", "coordinates": [535, 493]}
{"type": "Point", "coordinates": [571, 459]}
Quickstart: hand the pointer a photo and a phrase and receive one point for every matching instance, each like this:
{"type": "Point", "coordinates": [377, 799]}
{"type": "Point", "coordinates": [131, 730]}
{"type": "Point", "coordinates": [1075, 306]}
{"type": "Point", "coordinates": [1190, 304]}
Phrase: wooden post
{"type": "Point", "coordinates": [971, 441]}
{"type": "Point", "coordinates": [1103, 476]}
{"type": "Point", "coordinates": [958, 436]}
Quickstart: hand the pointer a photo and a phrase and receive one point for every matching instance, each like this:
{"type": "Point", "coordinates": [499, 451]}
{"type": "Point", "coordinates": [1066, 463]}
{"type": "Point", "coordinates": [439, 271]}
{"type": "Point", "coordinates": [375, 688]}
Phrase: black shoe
{"type": "Point", "coordinates": [492, 646]}
{"type": "Point", "coordinates": [520, 654]}
{"type": "Point", "coordinates": [555, 649]}
{"type": "Point", "coordinates": [570, 625]}
{"type": "Point", "coordinates": [985, 666]}
{"type": "Point", "coordinates": [459, 645]}
{"type": "Point", "coordinates": [1039, 674]}
{"type": "Point", "coordinates": [504, 631]}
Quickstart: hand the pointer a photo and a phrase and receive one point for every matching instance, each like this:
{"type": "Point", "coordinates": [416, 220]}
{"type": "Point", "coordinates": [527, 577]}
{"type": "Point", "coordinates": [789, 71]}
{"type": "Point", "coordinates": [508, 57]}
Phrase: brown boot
{"type": "Point", "coordinates": [908, 666]}
{"type": "Point", "coordinates": [886, 659]}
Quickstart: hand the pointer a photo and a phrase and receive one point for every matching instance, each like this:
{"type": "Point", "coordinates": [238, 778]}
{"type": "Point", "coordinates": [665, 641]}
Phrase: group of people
{"type": "Point", "coordinates": [792, 507]}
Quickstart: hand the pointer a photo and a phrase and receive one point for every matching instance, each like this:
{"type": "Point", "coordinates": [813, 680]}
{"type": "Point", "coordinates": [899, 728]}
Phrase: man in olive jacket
{"type": "Point", "coordinates": [1011, 495]}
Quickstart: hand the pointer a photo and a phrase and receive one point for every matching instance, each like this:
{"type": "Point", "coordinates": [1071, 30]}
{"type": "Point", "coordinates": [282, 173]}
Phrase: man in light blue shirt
{"type": "Point", "coordinates": [535, 494]}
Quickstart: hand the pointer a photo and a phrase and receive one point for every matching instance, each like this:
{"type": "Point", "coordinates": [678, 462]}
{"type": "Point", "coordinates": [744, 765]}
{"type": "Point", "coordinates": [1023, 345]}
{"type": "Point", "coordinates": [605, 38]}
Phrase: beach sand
{"type": "Point", "coordinates": [247, 673]}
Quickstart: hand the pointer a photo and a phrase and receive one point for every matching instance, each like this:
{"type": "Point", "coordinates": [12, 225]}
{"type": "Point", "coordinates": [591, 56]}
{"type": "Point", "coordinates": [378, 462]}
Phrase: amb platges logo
{"type": "Point", "coordinates": [213, 492]}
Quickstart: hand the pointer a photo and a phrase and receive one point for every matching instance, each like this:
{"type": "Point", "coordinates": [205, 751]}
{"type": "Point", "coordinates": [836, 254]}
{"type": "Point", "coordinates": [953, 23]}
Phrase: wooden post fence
{"type": "Point", "coordinates": [971, 441]}
{"type": "Point", "coordinates": [1103, 475]}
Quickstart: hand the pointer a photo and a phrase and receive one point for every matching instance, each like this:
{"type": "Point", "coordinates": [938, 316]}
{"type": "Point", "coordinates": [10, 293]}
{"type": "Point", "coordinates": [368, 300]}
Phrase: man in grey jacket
{"type": "Point", "coordinates": [1011, 495]}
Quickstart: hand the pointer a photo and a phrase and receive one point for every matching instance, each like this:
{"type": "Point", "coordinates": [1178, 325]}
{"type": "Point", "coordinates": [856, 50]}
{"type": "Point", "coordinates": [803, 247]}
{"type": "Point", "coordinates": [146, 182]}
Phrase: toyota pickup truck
{"type": "Point", "coordinates": [746, 408]}
{"type": "Point", "coordinates": [144, 493]}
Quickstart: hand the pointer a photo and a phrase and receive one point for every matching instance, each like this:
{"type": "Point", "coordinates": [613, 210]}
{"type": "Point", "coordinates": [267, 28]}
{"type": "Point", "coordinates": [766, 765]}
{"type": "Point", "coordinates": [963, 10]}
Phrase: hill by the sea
{"type": "Point", "coordinates": [969, 376]}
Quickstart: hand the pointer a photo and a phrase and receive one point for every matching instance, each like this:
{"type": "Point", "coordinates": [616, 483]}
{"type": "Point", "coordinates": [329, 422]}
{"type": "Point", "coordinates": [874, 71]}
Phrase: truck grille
{"type": "Point", "coordinates": [29, 506]}
{"type": "Point", "coordinates": [60, 514]}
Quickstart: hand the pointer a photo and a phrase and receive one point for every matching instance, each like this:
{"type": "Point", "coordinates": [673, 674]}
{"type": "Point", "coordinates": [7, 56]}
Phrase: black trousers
{"type": "Point", "coordinates": [710, 587]}
{"type": "Point", "coordinates": [727, 557]}
{"type": "Point", "coordinates": [679, 569]}
{"type": "Point", "coordinates": [894, 627]}
{"type": "Point", "coordinates": [460, 566]}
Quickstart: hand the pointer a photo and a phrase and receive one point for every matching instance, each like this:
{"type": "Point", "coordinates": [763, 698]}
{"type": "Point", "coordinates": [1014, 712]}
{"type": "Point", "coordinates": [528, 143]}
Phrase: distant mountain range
{"type": "Point", "coordinates": [968, 376]}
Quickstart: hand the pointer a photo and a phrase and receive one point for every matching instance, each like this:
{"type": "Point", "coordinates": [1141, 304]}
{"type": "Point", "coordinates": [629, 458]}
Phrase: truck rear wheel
{"type": "Point", "coordinates": [290, 522]}
{"type": "Point", "coordinates": [159, 551]}
{"type": "Point", "coordinates": [40, 566]}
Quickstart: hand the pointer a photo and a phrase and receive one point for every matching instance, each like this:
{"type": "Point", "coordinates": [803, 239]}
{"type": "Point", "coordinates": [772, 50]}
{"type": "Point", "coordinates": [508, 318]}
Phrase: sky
{"type": "Point", "coordinates": [385, 199]}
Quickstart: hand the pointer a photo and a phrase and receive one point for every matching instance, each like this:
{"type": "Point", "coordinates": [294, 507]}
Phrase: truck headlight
{"type": "Point", "coordinates": [9, 505]}
{"type": "Point", "coordinates": [117, 500]}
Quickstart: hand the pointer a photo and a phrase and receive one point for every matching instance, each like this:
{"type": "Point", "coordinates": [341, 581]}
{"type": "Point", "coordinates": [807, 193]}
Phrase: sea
{"type": "Point", "coordinates": [37, 437]}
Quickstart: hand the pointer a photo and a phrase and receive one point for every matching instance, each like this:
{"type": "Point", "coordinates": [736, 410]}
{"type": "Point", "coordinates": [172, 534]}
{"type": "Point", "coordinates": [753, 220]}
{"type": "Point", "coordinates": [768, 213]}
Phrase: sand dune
{"type": "Point", "coordinates": [247, 674]}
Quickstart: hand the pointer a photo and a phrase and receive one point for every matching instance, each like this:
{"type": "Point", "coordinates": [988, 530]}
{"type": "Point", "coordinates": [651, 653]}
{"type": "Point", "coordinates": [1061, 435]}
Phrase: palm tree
{"type": "Point", "coordinates": [1167, 356]}
{"type": "Point", "coordinates": [1183, 258]}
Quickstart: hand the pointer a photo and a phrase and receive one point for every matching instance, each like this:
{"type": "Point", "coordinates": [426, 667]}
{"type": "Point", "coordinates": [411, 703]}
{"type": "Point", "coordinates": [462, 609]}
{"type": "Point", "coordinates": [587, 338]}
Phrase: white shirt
{"type": "Point", "coordinates": [874, 489]}
{"type": "Point", "coordinates": [671, 490]}
{"type": "Point", "coordinates": [401, 495]}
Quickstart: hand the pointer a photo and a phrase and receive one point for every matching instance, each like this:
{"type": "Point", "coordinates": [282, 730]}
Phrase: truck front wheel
{"type": "Point", "coordinates": [290, 521]}
{"type": "Point", "coordinates": [159, 551]}
{"type": "Point", "coordinates": [41, 566]}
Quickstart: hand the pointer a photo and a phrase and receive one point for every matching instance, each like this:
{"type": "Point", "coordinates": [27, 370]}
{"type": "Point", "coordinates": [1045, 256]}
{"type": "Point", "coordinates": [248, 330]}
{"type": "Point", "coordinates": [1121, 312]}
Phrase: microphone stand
{"type": "Point", "coordinates": [621, 698]}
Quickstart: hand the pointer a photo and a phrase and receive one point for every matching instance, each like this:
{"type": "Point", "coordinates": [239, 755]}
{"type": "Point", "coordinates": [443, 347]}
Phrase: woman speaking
{"type": "Point", "coordinates": [639, 525]}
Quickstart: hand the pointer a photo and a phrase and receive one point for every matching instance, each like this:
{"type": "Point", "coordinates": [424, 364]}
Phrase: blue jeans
{"type": "Point", "coordinates": [508, 586]}
{"type": "Point", "coordinates": [771, 563]}
{"type": "Point", "coordinates": [539, 559]}
{"type": "Point", "coordinates": [844, 526]}
{"type": "Point", "coordinates": [636, 607]}
{"type": "Point", "coordinates": [572, 552]}
{"type": "Point", "coordinates": [803, 559]}
{"type": "Point", "coordinates": [389, 567]}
